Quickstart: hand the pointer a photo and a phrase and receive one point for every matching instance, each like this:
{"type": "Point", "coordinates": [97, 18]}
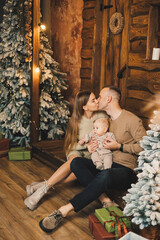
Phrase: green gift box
{"type": "Point", "coordinates": [19, 153]}
{"type": "Point", "coordinates": [110, 218]}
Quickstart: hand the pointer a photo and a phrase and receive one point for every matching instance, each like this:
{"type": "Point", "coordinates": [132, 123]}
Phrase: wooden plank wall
{"type": "Point", "coordinates": [141, 79]}
{"type": "Point", "coordinates": [88, 16]}
{"type": "Point", "coordinates": [143, 76]}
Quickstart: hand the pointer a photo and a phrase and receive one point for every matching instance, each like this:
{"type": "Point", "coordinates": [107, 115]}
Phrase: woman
{"type": "Point", "coordinates": [81, 122]}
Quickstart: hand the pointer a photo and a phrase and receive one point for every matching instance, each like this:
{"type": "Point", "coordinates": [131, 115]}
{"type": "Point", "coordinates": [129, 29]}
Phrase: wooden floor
{"type": "Point", "coordinates": [18, 222]}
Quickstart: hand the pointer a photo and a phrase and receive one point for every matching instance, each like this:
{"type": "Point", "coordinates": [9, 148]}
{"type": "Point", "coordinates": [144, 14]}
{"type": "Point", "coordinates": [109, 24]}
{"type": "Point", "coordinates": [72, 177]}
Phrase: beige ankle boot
{"type": "Point", "coordinates": [30, 189]}
{"type": "Point", "coordinates": [32, 201]}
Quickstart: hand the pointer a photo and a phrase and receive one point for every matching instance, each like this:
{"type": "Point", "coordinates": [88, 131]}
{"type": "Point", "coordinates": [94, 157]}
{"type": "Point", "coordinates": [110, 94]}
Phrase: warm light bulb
{"type": "Point", "coordinates": [43, 27]}
{"type": "Point", "coordinates": [37, 70]}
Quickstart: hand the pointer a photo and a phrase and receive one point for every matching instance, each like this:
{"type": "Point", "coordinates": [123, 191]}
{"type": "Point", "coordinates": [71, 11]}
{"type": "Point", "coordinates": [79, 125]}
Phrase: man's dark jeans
{"type": "Point", "coordinates": [96, 182]}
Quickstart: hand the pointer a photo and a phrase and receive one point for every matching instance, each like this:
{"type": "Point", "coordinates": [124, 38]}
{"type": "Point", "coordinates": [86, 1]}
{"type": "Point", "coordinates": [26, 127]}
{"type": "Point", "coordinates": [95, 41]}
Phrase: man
{"type": "Point", "coordinates": [128, 131]}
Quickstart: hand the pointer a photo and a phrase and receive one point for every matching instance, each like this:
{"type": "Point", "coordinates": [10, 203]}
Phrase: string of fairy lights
{"type": "Point", "coordinates": [28, 32]}
{"type": "Point", "coordinates": [28, 29]}
{"type": "Point", "coordinates": [42, 28]}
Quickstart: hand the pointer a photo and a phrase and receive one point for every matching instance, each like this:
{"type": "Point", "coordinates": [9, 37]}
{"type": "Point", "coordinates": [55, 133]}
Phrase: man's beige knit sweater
{"type": "Point", "coordinates": [128, 130]}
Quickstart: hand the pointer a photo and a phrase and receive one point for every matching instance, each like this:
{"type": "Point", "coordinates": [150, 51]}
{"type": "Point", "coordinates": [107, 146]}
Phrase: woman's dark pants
{"type": "Point", "coordinates": [96, 182]}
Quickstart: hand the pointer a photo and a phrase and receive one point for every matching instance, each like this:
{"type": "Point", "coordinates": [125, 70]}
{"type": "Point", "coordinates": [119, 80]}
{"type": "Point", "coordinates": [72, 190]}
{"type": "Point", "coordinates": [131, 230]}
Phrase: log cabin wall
{"type": "Point", "coordinates": [143, 74]}
{"type": "Point", "coordinates": [101, 50]}
{"type": "Point", "coordinates": [91, 45]}
{"type": "Point", "coordinates": [76, 42]}
{"type": "Point", "coordinates": [85, 45]}
{"type": "Point", "coordinates": [123, 59]}
{"type": "Point", "coordinates": [66, 27]}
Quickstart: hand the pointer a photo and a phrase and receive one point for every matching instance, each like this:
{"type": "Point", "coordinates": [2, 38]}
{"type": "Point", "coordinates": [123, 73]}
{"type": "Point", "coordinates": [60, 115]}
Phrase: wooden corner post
{"type": "Point", "coordinates": [35, 74]}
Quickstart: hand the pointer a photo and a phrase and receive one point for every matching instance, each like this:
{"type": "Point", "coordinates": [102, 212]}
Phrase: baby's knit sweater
{"type": "Point", "coordinates": [86, 126]}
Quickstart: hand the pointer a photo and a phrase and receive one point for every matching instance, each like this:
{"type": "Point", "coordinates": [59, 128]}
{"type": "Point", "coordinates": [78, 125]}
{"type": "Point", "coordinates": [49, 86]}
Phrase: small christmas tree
{"type": "Point", "coordinates": [15, 75]}
{"type": "Point", "coordinates": [143, 199]}
{"type": "Point", "coordinates": [54, 111]}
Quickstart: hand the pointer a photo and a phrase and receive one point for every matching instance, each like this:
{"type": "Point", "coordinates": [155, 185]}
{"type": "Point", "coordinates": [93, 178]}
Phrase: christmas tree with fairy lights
{"type": "Point", "coordinates": [54, 110]}
{"type": "Point", "coordinates": [15, 79]}
{"type": "Point", "coordinates": [143, 199]}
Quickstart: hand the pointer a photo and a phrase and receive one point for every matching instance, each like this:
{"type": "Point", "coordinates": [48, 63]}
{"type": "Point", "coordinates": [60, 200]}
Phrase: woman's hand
{"type": "Point", "coordinates": [82, 141]}
{"type": "Point", "coordinates": [92, 145]}
{"type": "Point", "coordinates": [111, 144]}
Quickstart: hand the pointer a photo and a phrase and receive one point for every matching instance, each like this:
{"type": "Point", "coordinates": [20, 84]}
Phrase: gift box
{"type": "Point", "coordinates": [1, 136]}
{"type": "Point", "coordinates": [4, 153]}
{"type": "Point", "coordinates": [113, 220]}
{"type": "Point", "coordinates": [98, 231]}
{"type": "Point", "coordinates": [4, 144]}
{"type": "Point", "coordinates": [4, 147]}
{"type": "Point", "coordinates": [19, 153]}
{"type": "Point", "coordinates": [132, 236]}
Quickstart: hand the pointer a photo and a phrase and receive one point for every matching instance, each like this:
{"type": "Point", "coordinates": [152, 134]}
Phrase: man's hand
{"type": "Point", "coordinates": [92, 145]}
{"type": "Point", "coordinates": [111, 144]}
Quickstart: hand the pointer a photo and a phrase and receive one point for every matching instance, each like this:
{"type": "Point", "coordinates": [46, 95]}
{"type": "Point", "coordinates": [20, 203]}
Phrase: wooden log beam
{"type": "Point", "coordinates": [138, 33]}
{"type": "Point", "coordinates": [141, 8]}
{"type": "Point", "coordinates": [152, 39]}
{"type": "Point", "coordinates": [105, 42]}
{"type": "Point", "coordinates": [35, 74]}
{"type": "Point", "coordinates": [137, 61]}
{"type": "Point", "coordinates": [96, 60]}
{"type": "Point", "coordinates": [139, 20]}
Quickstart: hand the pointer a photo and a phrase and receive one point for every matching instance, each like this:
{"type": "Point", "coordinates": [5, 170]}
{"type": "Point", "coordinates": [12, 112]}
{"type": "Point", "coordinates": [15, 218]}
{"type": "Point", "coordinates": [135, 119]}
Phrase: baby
{"type": "Point", "coordinates": [102, 157]}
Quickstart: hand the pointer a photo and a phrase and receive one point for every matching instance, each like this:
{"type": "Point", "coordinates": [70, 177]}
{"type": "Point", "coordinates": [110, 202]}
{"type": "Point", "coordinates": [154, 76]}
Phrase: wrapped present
{"type": "Point", "coordinates": [1, 135]}
{"type": "Point", "coordinates": [132, 236]}
{"type": "Point", "coordinates": [4, 144]}
{"type": "Point", "coordinates": [4, 153]}
{"type": "Point", "coordinates": [19, 153]}
{"type": "Point", "coordinates": [98, 231]}
{"type": "Point", "coordinates": [113, 220]}
{"type": "Point", "coordinates": [4, 147]}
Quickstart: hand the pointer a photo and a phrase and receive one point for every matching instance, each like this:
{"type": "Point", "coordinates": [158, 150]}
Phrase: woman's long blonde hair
{"type": "Point", "coordinates": [81, 100]}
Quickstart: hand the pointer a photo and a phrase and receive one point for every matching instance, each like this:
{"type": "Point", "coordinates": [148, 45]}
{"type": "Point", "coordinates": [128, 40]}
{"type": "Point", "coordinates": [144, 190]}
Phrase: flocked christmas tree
{"type": "Point", "coordinates": [14, 75]}
{"type": "Point", "coordinates": [54, 111]}
{"type": "Point", "coordinates": [143, 199]}
{"type": "Point", "coordinates": [15, 78]}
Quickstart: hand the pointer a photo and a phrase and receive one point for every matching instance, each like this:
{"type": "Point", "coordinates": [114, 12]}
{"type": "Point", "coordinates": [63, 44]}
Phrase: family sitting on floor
{"type": "Point", "coordinates": [102, 150]}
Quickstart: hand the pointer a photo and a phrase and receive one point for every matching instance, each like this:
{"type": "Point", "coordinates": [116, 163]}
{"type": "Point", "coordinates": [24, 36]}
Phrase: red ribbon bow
{"type": "Point", "coordinates": [117, 221]}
